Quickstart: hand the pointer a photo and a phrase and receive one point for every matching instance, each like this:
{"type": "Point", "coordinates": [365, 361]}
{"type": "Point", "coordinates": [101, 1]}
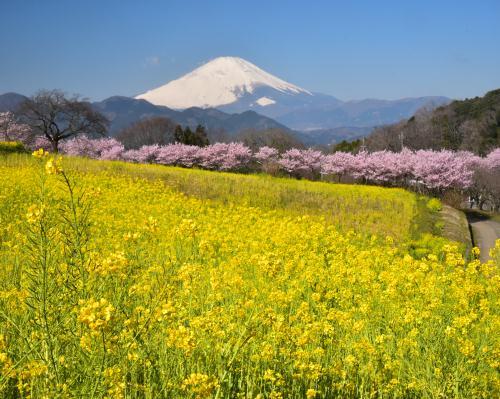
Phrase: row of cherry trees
{"type": "Point", "coordinates": [435, 171]}
{"type": "Point", "coordinates": [424, 170]}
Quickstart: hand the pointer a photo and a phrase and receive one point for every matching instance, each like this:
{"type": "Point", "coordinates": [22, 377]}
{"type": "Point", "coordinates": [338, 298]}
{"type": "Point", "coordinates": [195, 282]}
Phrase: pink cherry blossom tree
{"type": "Point", "coordinates": [12, 130]}
{"type": "Point", "coordinates": [179, 155]}
{"type": "Point", "coordinates": [225, 156]}
{"type": "Point", "coordinates": [302, 163]}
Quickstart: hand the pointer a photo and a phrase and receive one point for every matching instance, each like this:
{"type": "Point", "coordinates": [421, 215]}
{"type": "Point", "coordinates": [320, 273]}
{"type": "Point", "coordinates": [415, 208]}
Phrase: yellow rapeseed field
{"type": "Point", "coordinates": [129, 281]}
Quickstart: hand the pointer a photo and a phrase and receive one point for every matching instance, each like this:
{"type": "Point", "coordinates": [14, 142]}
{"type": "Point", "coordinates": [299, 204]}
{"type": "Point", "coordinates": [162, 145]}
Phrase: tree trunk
{"type": "Point", "coordinates": [55, 146]}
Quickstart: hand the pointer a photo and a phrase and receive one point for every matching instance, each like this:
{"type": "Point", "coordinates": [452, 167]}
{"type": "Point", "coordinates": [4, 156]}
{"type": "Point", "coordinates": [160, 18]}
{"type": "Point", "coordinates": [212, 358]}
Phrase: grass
{"type": "Point", "coordinates": [456, 227]}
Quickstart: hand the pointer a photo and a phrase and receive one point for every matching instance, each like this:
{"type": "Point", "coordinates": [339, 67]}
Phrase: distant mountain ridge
{"type": "Point", "coordinates": [123, 111]}
{"type": "Point", "coordinates": [325, 137]}
{"type": "Point", "coordinates": [235, 85]}
{"type": "Point", "coordinates": [359, 113]}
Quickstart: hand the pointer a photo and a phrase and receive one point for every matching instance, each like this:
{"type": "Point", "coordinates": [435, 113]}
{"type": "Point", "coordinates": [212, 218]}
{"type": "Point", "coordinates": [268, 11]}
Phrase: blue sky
{"type": "Point", "coordinates": [349, 49]}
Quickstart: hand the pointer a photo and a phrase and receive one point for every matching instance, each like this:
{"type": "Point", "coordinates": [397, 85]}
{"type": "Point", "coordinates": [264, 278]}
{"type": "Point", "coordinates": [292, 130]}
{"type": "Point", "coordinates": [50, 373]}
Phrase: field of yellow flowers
{"type": "Point", "coordinates": [137, 281]}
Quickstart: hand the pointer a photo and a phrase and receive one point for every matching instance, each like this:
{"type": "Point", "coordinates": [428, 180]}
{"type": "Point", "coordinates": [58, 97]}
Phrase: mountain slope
{"type": "Point", "coordinates": [235, 85]}
{"type": "Point", "coordinates": [471, 124]}
{"type": "Point", "coordinates": [123, 111]}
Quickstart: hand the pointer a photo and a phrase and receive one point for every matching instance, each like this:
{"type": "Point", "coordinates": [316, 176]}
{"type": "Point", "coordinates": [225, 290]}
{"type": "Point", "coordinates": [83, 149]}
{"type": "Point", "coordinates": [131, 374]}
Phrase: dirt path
{"type": "Point", "coordinates": [484, 233]}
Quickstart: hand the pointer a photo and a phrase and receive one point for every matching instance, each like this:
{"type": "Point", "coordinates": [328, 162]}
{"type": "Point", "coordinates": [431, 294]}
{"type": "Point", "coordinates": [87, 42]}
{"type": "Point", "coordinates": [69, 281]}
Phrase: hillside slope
{"type": "Point", "coordinates": [472, 124]}
{"type": "Point", "coordinates": [123, 111]}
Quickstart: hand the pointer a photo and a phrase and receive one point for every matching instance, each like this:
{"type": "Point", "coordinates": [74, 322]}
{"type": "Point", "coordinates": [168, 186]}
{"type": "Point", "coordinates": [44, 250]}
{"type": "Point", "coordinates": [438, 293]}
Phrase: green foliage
{"type": "Point", "coordinates": [347, 146]}
{"type": "Point", "coordinates": [428, 244]}
{"type": "Point", "coordinates": [186, 136]}
{"type": "Point", "coordinates": [9, 147]}
{"type": "Point", "coordinates": [439, 226]}
{"type": "Point", "coordinates": [434, 205]}
{"type": "Point", "coordinates": [477, 106]}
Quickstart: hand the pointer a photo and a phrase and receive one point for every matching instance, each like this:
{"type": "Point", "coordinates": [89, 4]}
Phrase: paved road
{"type": "Point", "coordinates": [484, 233]}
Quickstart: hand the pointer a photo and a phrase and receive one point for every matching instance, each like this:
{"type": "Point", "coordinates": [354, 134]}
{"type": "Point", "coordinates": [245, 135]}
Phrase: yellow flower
{"type": "Point", "coordinates": [311, 393]}
{"type": "Point", "coordinates": [113, 379]}
{"type": "Point", "coordinates": [467, 347]}
{"type": "Point", "coordinates": [350, 360]}
{"type": "Point", "coordinates": [201, 385]}
{"type": "Point", "coordinates": [234, 283]}
{"type": "Point", "coordinates": [3, 357]}
{"type": "Point", "coordinates": [40, 153]}
{"type": "Point", "coordinates": [95, 314]}
{"type": "Point", "coordinates": [114, 264]}
{"type": "Point", "coordinates": [181, 338]}
{"type": "Point", "coordinates": [152, 225]}
{"type": "Point", "coordinates": [35, 213]}
{"type": "Point", "coordinates": [54, 166]}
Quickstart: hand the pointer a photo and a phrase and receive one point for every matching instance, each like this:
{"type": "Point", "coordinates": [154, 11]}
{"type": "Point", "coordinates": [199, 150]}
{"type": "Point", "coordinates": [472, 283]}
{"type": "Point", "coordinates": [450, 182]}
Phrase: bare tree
{"type": "Point", "coordinates": [57, 117]}
{"type": "Point", "coordinates": [274, 137]}
{"type": "Point", "coordinates": [471, 124]}
{"type": "Point", "coordinates": [486, 188]}
{"type": "Point", "coordinates": [218, 135]}
{"type": "Point", "coordinates": [471, 132]}
{"type": "Point", "coordinates": [385, 138]}
{"type": "Point", "coordinates": [156, 130]}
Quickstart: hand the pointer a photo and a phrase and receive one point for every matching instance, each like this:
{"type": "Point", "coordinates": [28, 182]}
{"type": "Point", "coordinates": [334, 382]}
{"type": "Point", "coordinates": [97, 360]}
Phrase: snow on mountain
{"type": "Point", "coordinates": [263, 101]}
{"type": "Point", "coordinates": [221, 81]}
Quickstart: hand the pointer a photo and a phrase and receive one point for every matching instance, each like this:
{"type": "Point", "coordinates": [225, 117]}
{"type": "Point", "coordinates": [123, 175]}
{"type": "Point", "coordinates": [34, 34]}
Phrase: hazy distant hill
{"type": "Point", "coordinates": [332, 136]}
{"type": "Point", "coordinates": [362, 113]}
{"type": "Point", "coordinates": [10, 101]}
{"type": "Point", "coordinates": [231, 94]}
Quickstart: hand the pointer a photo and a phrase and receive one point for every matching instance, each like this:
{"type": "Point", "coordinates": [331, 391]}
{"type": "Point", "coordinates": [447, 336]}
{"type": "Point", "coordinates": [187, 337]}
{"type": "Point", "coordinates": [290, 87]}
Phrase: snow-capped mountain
{"type": "Point", "coordinates": [222, 81]}
{"type": "Point", "coordinates": [234, 85]}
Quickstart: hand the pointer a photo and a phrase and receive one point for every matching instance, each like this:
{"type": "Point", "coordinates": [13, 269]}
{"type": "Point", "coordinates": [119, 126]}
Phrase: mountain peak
{"type": "Point", "coordinates": [220, 81]}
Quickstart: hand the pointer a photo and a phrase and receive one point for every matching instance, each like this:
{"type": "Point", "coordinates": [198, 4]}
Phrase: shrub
{"type": "Point", "coordinates": [8, 147]}
{"type": "Point", "coordinates": [434, 205]}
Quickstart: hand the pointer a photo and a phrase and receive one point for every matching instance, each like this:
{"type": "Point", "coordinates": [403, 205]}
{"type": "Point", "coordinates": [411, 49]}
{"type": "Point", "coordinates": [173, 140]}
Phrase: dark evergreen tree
{"type": "Point", "coordinates": [200, 136]}
{"type": "Point", "coordinates": [187, 136]}
{"type": "Point", "coordinates": [179, 134]}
